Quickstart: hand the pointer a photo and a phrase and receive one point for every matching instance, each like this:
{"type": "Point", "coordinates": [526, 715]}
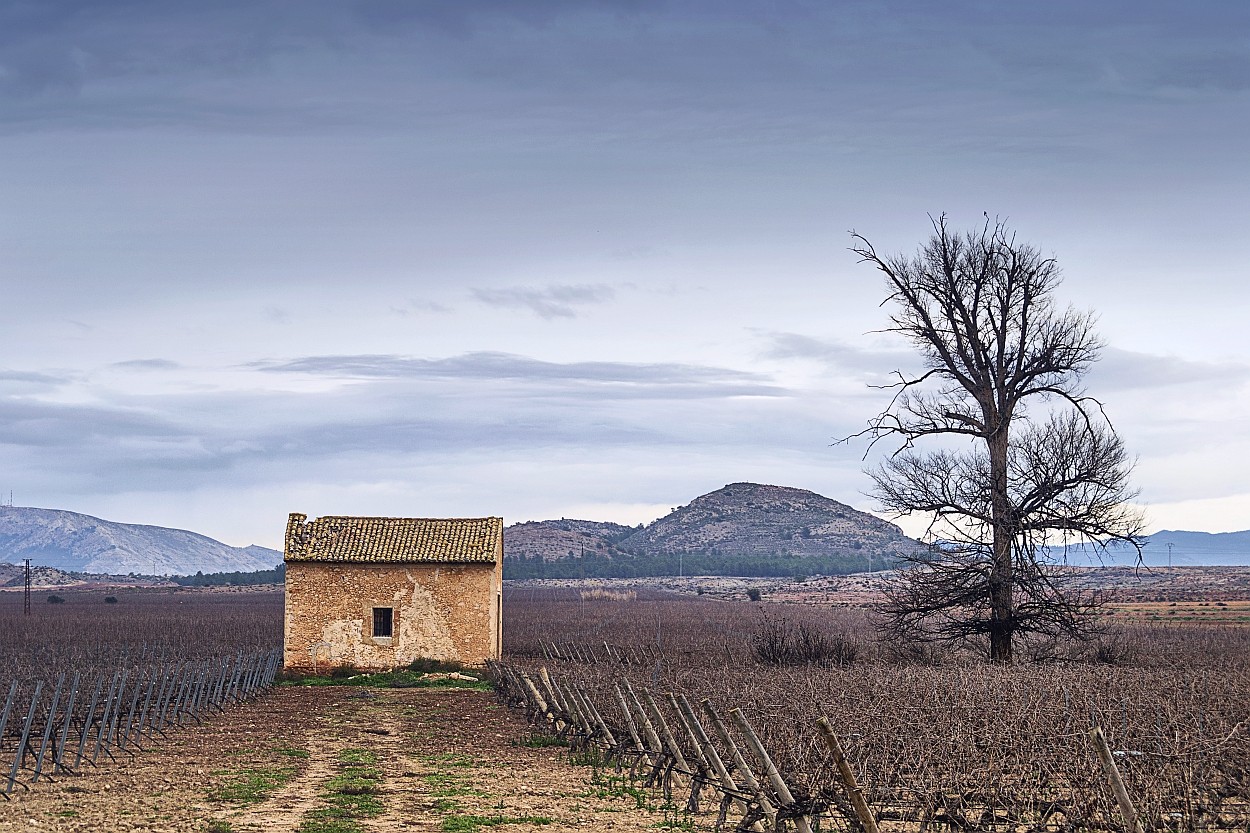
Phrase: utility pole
{"type": "Point", "coordinates": [1169, 553]}
{"type": "Point", "coordinates": [26, 593]}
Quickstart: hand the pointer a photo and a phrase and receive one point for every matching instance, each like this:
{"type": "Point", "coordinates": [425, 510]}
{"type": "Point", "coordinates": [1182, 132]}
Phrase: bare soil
{"type": "Point", "coordinates": [445, 758]}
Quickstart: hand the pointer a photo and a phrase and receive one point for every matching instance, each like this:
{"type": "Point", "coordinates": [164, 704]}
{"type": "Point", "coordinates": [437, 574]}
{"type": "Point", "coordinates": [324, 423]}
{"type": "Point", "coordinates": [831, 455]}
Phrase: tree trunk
{"type": "Point", "coordinates": [1001, 579]}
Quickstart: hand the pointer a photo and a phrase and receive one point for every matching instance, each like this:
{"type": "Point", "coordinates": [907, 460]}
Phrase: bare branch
{"type": "Point", "coordinates": [979, 308]}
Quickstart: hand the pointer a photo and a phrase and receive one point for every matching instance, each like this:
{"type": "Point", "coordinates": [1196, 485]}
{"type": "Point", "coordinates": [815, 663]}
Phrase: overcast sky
{"type": "Point", "coordinates": [538, 258]}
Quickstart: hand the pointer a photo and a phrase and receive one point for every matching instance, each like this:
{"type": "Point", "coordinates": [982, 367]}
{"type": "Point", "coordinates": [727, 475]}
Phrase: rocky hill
{"type": "Point", "coordinates": [80, 543]}
{"type": "Point", "coordinates": [551, 540]}
{"type": "Point", "coordinates": [741, 529]}
{"type": "Point", "coordinates": [751, 519]}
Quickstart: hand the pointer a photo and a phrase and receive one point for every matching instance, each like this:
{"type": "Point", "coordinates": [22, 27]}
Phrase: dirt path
{"type": "Point", "coordinates": [339, 760]}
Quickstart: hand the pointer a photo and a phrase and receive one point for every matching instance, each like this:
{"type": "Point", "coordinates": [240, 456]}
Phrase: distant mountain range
{"type": "Point", "coordinates": [80, 543]}
{"type": "Point", "coordinates": [742, 529]}
{"type": "Point", "coordinates": [1188, 549]}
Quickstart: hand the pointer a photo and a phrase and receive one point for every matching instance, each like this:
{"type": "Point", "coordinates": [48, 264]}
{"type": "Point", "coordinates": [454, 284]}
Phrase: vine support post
{"type": "Point", "coordinates": [1131, 823]}
{"type": "Point", "coordinates": [770, 769]}
{"type": "Point", "coordinates": [862, 810]}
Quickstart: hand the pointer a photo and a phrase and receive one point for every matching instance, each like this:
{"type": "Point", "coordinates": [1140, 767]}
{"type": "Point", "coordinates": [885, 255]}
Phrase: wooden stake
{"type": "Point", "coordinates": [670, 742]}
{"type": "Point", "coordinates": [711, 755]}
{"type": "Point", "coordinates": [770, 769]}
{"type": "Point", "coordinates": [690, 735]}
{"type": "Point", "coordinates": [599, 721]}
{"type": "Point", "coordinates": [653, 739]}
{"type": "Point", "coordinates": [535, 698]}
{"type": "Point", "coordinates": [1112, 772]}
{"type": "Point", "coordinates": [744, 769]}
{"type": "Point", "coordinates": [553, 697]}
{"type": "Point", "coordinates": [862, 810]}
{"type": "Point", "coordinates": [629, 718]}
{"type": "Point", "coordinates": [580, 721]}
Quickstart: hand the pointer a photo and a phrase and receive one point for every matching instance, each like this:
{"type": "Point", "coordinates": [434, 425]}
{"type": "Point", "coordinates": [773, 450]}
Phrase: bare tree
{"type": "Point", "coordinates": [1029, 459]}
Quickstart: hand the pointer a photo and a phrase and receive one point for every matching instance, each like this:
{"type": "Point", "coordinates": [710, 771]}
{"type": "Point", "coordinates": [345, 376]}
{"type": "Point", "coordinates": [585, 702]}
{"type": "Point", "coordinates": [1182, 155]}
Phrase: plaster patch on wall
{"type": "Point", "coordinates": [423, 628]}
{"type": "Point", "coordinates": [344, 636]}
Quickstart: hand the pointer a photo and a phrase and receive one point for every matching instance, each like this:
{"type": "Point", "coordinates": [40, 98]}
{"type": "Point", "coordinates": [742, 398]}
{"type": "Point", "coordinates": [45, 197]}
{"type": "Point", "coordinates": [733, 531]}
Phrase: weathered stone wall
{"type": "Point", "coordinates": [442, 611]}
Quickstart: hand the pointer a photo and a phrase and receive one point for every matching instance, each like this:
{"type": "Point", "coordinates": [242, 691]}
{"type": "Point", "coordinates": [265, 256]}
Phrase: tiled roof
{"type": "Point", "coordinates": [393, 540]}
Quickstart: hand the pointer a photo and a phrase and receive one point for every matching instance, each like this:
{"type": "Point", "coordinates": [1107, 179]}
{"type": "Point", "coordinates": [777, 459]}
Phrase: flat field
{"type": "Point", "coordinates": [343, 760]}
{"type": "Point", "coordinates": [936, 736]}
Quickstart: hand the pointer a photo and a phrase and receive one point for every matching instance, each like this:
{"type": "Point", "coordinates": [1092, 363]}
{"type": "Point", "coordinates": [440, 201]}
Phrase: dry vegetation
{"type": "Point", "coordinates": [87, 633]}
{"type": "Point", "coordinates": [936, 737]}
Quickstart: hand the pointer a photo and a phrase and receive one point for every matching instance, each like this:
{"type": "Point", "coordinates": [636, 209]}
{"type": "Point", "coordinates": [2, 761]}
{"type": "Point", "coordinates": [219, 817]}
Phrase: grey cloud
{"type": "Point", "coordinates": [49, 425]}
{"type": "Point", "coordinates": [148, 364]}
{"type": "Point", "coordinates": [31, 377]}
{"type": "Point", "coordinates": [837, 354]}
{"type": "Point", "coordinates": [465, 19]}
{"type": "Point", "coordinates": [451, 434]}
{"type": "Point", "coordinates": [556, 301]}
{"type": "Point", "coordinates": [57, 47]}
{"type": "Point", "coordinates": [1128, 370]}
{"type": "Point", "coordinates": [357, 432]}
{"type": "Point", "coordinates": [606, 378]}
{"type": "Point", "coordinates": [417, 307]}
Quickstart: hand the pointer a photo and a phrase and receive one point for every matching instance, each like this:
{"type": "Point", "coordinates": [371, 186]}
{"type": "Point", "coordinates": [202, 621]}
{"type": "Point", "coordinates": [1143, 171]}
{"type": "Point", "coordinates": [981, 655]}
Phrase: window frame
{"type": "Point", "coordinates": [383, 614]}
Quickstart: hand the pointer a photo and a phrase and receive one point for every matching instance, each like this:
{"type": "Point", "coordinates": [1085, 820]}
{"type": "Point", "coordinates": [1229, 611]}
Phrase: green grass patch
{"type": "Point", "coordinates": [618, 786]}
{"type": "Point", "coordinates": [539, 740]}
{"type": "Point", "coordinates": [248, 786]}
{"type": "Point", "coordinates": [446, 784]}
{"type": "Point", "coordinates": [591, 756]}
{"type": "Point", "coordinates": [451, 759]}
{"type": "Point", "coordinates": [390, 679]}
{"type": "Point", "coordinates": [315, 823]}
{"type": "Point", "coordinates": [291, 751]}
{"type": "Point", "coordinates": [350, 795]}
{"type": "Point", "coordinates": [676, 819]}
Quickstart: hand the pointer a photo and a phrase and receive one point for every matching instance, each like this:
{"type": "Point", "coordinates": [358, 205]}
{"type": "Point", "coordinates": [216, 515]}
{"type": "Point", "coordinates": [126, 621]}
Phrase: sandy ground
{"type": "Point", "coordinates": [443, 756]}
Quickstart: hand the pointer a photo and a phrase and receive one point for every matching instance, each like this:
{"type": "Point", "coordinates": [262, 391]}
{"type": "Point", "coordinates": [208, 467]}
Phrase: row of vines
{"type": "Point", "coordinates": [90, 680]}
{"type": "Point", "coordinates": [940, 739]}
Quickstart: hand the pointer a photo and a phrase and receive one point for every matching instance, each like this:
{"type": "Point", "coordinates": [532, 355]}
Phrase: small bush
{"type": "Point", "coordinates": [1112, 648]}
{"type": "Point", "coordinates": [425, 665]}
{"type": "Point", "coordinates": [344, 670]}
{"type": "Point", "coordinates": [110, 600]}
{"type": "Point", "coordinates": [753, 594]}
{"type": "Point", "coordinates": [778, 641]}
{"type": "Point", "coordinates": [55, 600]}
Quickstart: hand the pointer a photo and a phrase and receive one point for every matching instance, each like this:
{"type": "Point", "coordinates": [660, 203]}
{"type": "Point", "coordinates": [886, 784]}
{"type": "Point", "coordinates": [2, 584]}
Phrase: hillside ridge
{"type": "Point", "coordinates": [76, 542]}
{"type": "Point", "coordinates": [739, 529]}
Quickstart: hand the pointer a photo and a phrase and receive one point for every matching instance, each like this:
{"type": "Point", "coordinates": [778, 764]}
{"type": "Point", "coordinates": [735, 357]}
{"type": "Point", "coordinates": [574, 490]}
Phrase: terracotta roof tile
{"type": "Point", "coordinates": [393, 540]}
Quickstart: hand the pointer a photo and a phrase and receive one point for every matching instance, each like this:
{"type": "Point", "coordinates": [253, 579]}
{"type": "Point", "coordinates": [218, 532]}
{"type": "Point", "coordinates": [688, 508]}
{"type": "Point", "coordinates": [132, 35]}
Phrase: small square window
{"type": "Point", "coordinates": [382, 621]}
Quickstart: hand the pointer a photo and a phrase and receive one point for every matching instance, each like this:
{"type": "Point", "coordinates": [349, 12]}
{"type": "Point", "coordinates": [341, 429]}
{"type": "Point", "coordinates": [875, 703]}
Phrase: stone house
{"type": "Point", "coordinates": [381, 592]}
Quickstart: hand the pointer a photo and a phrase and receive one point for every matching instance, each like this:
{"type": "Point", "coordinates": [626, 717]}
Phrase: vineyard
{"type": "Point", "coordinates": [712, 704]}
{"type": "Point", "coordinates": [87, 679]}
{"type": "Point", "coordinates": [683, 689]}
